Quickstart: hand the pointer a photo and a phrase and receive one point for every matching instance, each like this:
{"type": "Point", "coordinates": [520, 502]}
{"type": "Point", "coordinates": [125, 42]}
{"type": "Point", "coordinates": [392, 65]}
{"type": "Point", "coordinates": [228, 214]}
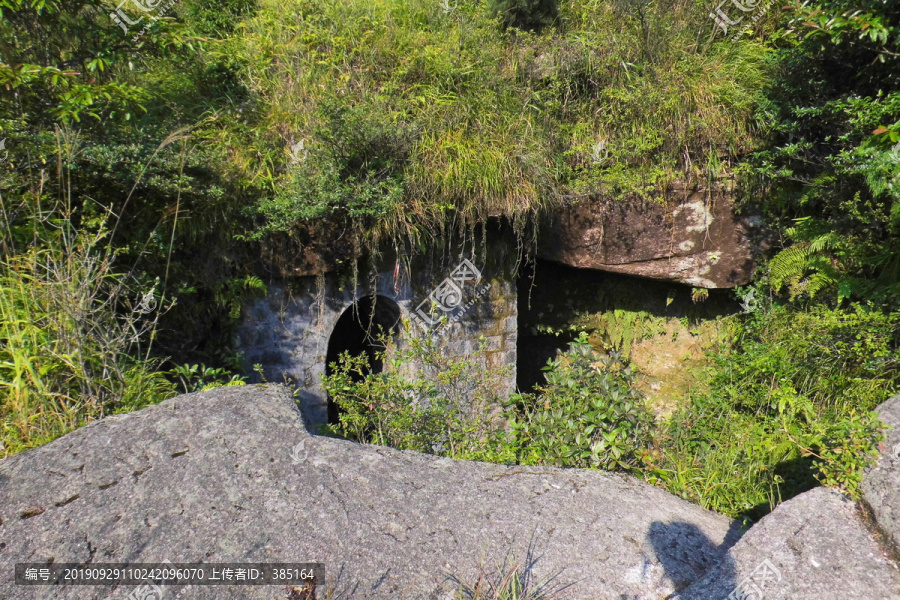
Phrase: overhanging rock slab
{"type": "Point", "coordinates": [696, 240]}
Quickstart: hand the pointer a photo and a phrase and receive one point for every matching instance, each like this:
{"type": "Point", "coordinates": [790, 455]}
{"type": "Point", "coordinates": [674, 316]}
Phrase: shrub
{"type": "Point", "coordinates": [587, 415]}
{"type": "Point", "coordinates": [425, 401]}
{"type": "Point", "coordinates": [787, 407]}
{"type": "Point", "coordinates": [829, 360]}
{"type": "Point", "coordinates": [829, 172]}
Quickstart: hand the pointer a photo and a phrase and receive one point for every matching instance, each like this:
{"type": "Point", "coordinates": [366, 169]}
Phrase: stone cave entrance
{"type": "Point", "coordinates": [358, 331]}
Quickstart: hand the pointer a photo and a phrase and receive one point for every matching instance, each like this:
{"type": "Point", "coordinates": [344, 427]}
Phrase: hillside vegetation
{"type": "Point", "coordinates": [152, 176]}
{"type": "Point", "coordinates": [414, 115]}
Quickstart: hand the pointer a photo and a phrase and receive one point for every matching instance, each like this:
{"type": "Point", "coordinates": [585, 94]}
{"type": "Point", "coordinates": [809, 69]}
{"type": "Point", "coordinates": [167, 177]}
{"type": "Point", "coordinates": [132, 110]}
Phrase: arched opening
{"type": "Point", "coordinates": [358, 331]}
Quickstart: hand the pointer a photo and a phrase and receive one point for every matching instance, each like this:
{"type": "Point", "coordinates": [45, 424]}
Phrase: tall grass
{"type": "Point", "coordinates": [511, 580]}
{"type": "Point", "coordinates": [74, 346]}
{"type": "Point", "coordinates": [473, 120]}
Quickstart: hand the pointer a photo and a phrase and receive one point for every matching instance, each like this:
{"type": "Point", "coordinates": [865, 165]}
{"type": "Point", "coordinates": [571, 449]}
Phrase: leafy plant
{"type": "Point", "coordinates": [828, 171]}
{"type": "Point", "coordinates": [844, 450]}
{"type": "Point", "coordinates": [66, 57]}
{"type": "Point", "coordinates": [787, 406]}
{"type": "Point", "coordinates": [587, 415]}
{"type": "Point", "coordinates": [424, 401]}
{"type": "Point", "coordinates": [196, 378]}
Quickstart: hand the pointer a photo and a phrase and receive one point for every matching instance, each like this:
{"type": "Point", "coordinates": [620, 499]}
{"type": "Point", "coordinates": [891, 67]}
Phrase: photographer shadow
{"type": "Point", "coordinates": [687, 555]}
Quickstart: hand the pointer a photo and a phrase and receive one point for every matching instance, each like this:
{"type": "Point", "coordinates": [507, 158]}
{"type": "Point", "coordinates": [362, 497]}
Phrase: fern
{"type": "Point", "coordinates": [622, 327]}
{"type": "Point", "coordinates": [789, 266]}
{"type": "Point", "coordinates": [234, 293]}
{"type": "Point", "coordinates": [811, 267]}
{"type": "Point", "coordinates": [824, 242]}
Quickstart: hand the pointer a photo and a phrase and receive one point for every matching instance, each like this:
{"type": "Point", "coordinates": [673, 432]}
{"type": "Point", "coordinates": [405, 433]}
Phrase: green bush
{"type": "Point", "coordinates": [73, 343]}
{"type": "Point", "coordinates": [424, 401]}
{"type": "Point", "coordinates": [587, 415]}
{"type": "Point", "coordinates": [788, 406]}
{"type": "Point", "coordinates": [828, 172]}
{"type": "Point", "coordinates": [819, 359]}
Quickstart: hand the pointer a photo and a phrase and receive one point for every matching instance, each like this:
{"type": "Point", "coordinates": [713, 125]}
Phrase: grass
{"type": "Point", "coordinates": [69, 353]}
{"type": "Point", "coordinates": [512, 580]}
{"type": "Point", "coordinates": [74, 344]}
{"type": "Point", "coordinates": [461, 119]}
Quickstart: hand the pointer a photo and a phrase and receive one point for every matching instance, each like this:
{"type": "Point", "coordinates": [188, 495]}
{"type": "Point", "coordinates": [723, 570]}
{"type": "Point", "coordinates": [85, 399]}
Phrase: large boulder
{"type": "Point", "coordinates": [232, 474]}
{"type": "Point", "coordinates": [881, 484]}
{"type": "Point", "coordinates": [695, 240]}
{"type": "Point", "coordinates": [813, 547]}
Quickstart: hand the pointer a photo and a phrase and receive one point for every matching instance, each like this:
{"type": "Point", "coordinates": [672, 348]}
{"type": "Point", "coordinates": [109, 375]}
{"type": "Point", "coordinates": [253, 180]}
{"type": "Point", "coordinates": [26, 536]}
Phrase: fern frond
{"type": "Point", "coordinates": [817, 282]}
{"type": "Point", "coordinates": [789, 263]}
{"type": "Point", "coordinates": [252, 282]}
{"type": "Point", "coordinates": [824, 242]}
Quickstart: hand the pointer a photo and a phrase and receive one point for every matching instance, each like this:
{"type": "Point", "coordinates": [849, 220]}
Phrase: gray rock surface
{"type": "Point", "coordinates": [232, 475]}
{"type": "Point", "coordinates": [881, 484]}
{"type": "Point", "coordinates": [697, 240]}
{"type": "Point", "coordinates": [813, 547]}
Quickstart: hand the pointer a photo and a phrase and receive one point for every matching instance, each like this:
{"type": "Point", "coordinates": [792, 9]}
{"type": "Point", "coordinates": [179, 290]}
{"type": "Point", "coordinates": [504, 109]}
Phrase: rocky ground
{"type": "Point", "coordinates": [232, 475]}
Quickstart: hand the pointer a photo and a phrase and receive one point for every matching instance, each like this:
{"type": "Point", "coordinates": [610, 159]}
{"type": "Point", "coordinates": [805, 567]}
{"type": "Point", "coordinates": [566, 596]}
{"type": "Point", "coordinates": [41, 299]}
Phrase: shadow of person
{"type": "Point", "coordinates": [687, 554]}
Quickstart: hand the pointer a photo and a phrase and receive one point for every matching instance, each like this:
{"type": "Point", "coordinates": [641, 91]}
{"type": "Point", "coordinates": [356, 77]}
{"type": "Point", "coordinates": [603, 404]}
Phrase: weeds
{"type": "Point", "coordinates": [512, 580]}
{"type": "Point", "coordinates": [786, 408]}
{"type": "Point", "coordinates": [424, 401]}
{"type": "Point", "coordinates": [73, 344]}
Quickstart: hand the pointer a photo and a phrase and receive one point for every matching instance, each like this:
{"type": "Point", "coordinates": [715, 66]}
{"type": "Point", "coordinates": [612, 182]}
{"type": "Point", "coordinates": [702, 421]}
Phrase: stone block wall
{"type": "Point", "coordinates": [288, 331]}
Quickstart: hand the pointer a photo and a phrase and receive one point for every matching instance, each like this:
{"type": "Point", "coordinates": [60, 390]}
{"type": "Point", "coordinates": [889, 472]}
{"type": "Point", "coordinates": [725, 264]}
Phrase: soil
{"type": "Point", "coordinates": [671, 363]}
